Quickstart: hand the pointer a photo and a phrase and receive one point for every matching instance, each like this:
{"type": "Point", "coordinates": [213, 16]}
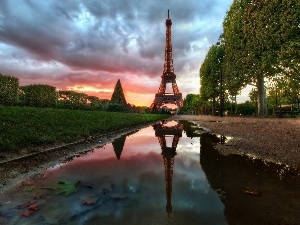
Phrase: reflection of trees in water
{"type": "Point", "coordinates": [191, 129]}
{"type": "Point", "coordinates": [230, 175]}
{"type": "Point", "coordinates": [187, 127]}
{"type": "Point", "coordinates": [210, 160]}
{"type": "Point", "coordinates": [118, 143]}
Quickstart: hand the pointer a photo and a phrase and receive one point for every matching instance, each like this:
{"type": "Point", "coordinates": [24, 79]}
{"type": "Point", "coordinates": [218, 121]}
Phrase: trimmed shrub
{"type": "Point", "coordinates": [38, 95]}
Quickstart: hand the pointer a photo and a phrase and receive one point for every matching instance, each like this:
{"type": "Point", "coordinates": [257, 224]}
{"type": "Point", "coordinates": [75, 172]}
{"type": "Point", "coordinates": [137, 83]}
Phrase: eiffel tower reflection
{"type": "Point", "coordinates": [162, 130]}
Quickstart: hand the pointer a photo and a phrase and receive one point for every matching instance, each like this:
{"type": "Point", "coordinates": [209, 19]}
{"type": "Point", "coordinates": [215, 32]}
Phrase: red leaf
{"type": "Point", "coordinates": [27, 213]}
{"type": "Point", "coordinates": [33, 207]}
{"type": "Point", "coordinates": [29, 203]}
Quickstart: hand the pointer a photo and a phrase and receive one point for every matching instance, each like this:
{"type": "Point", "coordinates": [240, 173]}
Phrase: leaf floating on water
{"type": "Point", "coordinates": [89, 200]}
{"type": "Point", "coordinates": [26, 213]}
{"type": "Point", "coordinates": [118, 196]}
{"type": "Point", "coordinates": [89, 186]}
{"type": "Point", "coordinates": [66, 187]}
{"type": "Point", "coordinates": [29, 204]}
{"type": "Point", "coordinates": [31, 208]}
{"type": "Point", "coordinates": [28, 188]}
{"type": "Point", "coordinates": [39, 197]}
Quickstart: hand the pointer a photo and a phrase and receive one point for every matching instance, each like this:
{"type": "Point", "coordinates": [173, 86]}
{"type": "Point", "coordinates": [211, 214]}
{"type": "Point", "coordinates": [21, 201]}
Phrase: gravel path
{"type": "Point", "coordinates": [272, 139]}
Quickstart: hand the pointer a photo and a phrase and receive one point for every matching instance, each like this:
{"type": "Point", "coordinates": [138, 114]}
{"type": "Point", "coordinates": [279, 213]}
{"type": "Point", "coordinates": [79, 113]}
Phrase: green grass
{"type": "Point", "coordinates": [25, 127]}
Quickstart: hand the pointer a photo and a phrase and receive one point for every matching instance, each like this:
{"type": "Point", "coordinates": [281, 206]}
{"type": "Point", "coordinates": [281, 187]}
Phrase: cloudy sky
{"type": "Point", "coordinates": [87, 45]}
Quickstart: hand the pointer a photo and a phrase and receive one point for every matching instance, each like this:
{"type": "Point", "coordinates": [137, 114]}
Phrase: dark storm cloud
{"type": "Point", "coordinates": [48, 29]}
{"type": "Point", "coordinates": [107, 36]}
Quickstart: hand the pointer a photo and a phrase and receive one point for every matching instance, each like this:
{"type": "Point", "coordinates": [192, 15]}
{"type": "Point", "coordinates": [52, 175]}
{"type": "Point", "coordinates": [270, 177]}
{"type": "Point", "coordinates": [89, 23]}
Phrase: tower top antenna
{"type": "Point", "coordinates": [168, 13]}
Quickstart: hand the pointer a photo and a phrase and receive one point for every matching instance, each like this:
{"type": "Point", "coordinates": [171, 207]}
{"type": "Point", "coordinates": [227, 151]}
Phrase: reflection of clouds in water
{"type": "Point", "coordinates": [140, 175]}
{"type": "Point", "coordinates": [187, 145]}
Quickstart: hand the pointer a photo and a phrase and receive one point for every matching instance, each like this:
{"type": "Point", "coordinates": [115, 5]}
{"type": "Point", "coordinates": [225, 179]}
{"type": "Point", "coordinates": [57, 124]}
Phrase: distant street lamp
{"type": "Point", "coordinates": [219, 43]}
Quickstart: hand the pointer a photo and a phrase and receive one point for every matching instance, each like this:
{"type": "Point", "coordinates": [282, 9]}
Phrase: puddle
{"type": "Point", "coordinates": [168, 173]}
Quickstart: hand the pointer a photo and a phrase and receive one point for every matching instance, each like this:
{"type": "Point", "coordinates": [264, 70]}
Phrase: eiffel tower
{"type": "Point", "coordinates": [161, 97]}
{"type": "Point", "coordinates": [168, 154]}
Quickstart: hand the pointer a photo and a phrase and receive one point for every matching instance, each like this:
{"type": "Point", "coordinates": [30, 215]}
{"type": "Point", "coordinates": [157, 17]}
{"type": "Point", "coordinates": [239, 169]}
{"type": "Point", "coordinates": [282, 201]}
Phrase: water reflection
{"type": "Point", "coordinates": [153, 176]}
{"type": "Point", "coordinates": [135, 180]}
{"type": "Point", "coordinates": [161, 131]}
{"type": "Point", "coordinates": [253, 191]}
{"type": "Point", "coordinates": [118, 144]}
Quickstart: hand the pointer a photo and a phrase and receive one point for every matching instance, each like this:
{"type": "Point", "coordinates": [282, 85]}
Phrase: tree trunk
{"type": "Point", "coordinates": [213, 106]}
{"type": "Point", "coordinates": [262, 101]}
{"type": "Point", "coordinates": [235, 105]}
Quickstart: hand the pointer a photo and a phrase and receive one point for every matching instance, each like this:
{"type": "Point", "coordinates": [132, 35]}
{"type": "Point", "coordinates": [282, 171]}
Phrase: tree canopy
{"type": "Point", "coordinates": [261, 41]}
{"type": "Point", "coordinates": [210, 73]}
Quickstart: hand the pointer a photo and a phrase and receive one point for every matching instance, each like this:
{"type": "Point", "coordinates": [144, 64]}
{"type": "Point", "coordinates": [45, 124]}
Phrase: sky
{"type": "Point", "coordinates": [87, 45]}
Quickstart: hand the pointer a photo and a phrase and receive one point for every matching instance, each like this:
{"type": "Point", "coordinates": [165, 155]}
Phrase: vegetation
{"type": "Point", "coordinates": [210, 75]}
{"type": "Point", "coordinates": [72, 100]}
{"type": "Point", "coordinates": [191, 104]}
{"type": "Point", "coordinates": [118, 96]}
{"type": "Point", "coordinates": [118, 102]}
{"type": "Point", "coordinates": [38, 95]}
{"type": "Point", "coordinates": [29, 127]}
{"type": "Point", "coordinates": [8, 90]}
{"type": "Point", "coordinates": [261, 43]}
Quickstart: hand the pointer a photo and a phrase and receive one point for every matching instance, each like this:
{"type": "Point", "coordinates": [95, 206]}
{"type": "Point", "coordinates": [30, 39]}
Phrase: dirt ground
{"type": "Point", "coordinates": [272, 139]}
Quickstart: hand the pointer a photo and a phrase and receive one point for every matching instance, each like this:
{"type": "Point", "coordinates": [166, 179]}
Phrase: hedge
{"type": "Point", "coordinates": [9, 86]}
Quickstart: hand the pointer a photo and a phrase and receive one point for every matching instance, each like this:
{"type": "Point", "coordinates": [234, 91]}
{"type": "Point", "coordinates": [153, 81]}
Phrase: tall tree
{"type": "Point", "coordinates": [210, 74]}
{"type": "Point", "coordinates": [118, 96]}
{"type": "Point", "coordinates": [191, 103]}
{"type": "Point", "coordinates": [239, 60]}
{"type": "Point", "coordinates": [234, 49]}
{"type": "Point", "coordinates": [262, 37]}
{"type": "Point", "coordinates": [290, 35]}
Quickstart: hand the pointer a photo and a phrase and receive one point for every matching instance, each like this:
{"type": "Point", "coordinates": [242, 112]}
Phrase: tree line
{"type": "Point", "coordinates": [260, 46]}
{"type": "Point", "coordinates": [41, 95]}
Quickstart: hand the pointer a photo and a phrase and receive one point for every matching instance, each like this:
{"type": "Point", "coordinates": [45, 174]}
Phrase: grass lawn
{"type": "Point", "coordinates": [26, 127]}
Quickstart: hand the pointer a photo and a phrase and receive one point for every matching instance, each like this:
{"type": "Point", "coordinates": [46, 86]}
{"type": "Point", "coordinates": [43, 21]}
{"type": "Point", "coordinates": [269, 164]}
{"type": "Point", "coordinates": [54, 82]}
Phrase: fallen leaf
{"type": "Point", "coordinates": [28, 188]}
{"type": "Point", "coordinates": [89, 200]}
{"type": "Point", "coordinates": [66, 187]}
{"type": "Point", "coordinates": [29, 203]}
{"type": "Point", "coordinates": [33, 207]}
{"type": "Point", "coordinates": [27, 213]}
{"type": "Point", "coordinates": [118, 196]}
{"type": "Point", "coordinates": [39, 197]}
